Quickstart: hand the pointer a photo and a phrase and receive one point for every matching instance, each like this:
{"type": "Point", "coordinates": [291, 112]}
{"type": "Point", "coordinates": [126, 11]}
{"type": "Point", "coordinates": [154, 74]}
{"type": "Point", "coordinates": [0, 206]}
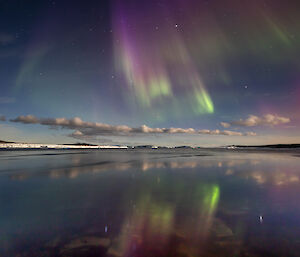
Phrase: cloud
{"type": "Point", "coordinates": [225, 132]}
{"type": "Point", "coordinates": [250, 134]}
{"type": "Point", "coordinates": [2, 118]}
{"type": "Point", "coordinates": [29, 119]}
{"type": "Point", "coordinates": [252, 120]}
{"type": "Point", "coordinates": [91, 129]}
{"type": "Point", "coordinates": [77, 133]}
{"type": "Point", "coordinates": [225, 124]}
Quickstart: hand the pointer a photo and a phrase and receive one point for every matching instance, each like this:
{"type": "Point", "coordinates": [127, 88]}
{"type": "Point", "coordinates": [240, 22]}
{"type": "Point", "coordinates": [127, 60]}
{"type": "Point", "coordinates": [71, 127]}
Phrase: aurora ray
{"type": "Point", "coordinates": [156, 66]}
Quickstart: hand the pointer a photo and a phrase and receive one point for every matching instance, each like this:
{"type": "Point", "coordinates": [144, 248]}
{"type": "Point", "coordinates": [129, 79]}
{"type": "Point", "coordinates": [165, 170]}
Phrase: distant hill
{"type": "Point", "coordinates": [143, 147]}
{"type": "Point", "coordinates": [81, 144]}
{"type": "Point", "coordinates": [183, 147]}
{"type": "Point", "coordinates": [5, 142]}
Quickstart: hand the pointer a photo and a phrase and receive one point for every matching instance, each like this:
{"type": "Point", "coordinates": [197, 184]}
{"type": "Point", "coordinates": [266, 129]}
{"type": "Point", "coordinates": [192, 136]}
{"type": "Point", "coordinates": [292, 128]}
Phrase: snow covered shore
{"type": "Point", "coordinates": [54, 146]}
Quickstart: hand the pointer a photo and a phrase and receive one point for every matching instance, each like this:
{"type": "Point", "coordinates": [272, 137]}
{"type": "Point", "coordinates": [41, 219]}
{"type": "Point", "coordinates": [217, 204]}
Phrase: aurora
{"type": "Point", "coordinates": [156, 67]}
{"type": "Point", "coordinates": [159, 64]}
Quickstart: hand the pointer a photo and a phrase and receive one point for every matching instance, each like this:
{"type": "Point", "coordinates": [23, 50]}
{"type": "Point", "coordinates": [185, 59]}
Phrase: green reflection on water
{"type": "Point", "coordinates": [212, 195]}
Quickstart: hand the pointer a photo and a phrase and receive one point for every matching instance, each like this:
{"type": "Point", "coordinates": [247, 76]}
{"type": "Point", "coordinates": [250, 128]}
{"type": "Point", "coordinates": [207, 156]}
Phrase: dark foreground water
{"type": "Point", "coordinates": [149, 203]}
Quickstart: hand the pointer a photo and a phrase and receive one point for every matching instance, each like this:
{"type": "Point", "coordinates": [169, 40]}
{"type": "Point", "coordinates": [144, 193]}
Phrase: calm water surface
{"type": "Point", "coordinates": [149, 203]}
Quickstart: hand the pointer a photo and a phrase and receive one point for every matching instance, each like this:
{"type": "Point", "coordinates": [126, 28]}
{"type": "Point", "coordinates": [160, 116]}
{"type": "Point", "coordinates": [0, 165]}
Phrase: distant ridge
{"type": "Point", "coordinates": [5, 142]}
{"type": "Point", "coordinates": [183, 147]}
{"type": "Point", "coordinates": [81, 144]}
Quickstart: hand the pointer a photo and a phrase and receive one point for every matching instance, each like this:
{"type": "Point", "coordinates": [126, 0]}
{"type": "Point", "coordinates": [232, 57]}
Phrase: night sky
{"type": "Point", "coordinates": [167, 72]}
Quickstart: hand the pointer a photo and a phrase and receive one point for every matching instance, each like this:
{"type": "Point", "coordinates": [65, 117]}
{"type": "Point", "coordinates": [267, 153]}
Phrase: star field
{"type": "Point", "coordinates": [165, 64]}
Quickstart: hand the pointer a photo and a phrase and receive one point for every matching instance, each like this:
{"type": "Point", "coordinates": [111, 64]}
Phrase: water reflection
{"type": "Point", "coordinates": [277, 177]}
{"type": "Point", "coordinates": [220, 205]}
{"type": "Point", "coordinates": [155, 227]}
{"type": "Point", "coordinates": [74, 172]}
{"type": "Point", "coordinates": [247, 169]}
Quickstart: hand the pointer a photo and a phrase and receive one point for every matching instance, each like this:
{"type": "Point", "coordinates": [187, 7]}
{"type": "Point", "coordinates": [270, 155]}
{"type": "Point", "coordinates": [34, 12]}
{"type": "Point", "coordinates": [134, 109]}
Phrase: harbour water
{"type": "Point", "coordinates": [137, 203]}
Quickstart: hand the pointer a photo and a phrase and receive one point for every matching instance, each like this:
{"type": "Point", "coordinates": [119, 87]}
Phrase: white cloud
{"type": "Point", "coordinates": [225, 132]}
{"type": "Point", "coordinates": [29, 119]}
{"type": "Point", "coordinates": [77, 133]}
{"type": "Point", "coordinates": [232, 133]}
{"type": "Point", "coordinates": [252, 120]}
{"type": "Point", "coordinates": [225, 124]}
{"type": "Point", "coordinates": [90, 129]}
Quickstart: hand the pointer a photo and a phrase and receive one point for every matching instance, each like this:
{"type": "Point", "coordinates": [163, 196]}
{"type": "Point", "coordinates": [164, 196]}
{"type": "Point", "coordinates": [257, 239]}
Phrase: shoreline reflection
{"type": "Point", "coordinates": [222, 205]}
